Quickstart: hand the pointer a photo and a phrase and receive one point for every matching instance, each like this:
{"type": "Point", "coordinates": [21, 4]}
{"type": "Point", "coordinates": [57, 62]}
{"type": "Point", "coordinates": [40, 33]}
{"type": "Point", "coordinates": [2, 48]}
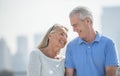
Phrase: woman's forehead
{"type": "Point", "coordinates": [61, 29]}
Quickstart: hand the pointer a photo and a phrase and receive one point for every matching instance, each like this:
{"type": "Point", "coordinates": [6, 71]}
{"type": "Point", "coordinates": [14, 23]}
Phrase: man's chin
{"type": "Point", "coordinates": [62, 46]}
{"type": "Point", "coordinates": [80, 36]}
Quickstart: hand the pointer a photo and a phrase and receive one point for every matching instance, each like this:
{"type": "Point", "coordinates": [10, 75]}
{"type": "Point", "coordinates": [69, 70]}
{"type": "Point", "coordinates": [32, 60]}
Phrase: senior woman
{"type": "Point", "coordinates": [45, 59]}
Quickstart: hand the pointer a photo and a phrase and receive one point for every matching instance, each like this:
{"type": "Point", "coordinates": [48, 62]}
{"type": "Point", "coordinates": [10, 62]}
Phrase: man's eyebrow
{"type": "Point", "coordinates": [74, 24]}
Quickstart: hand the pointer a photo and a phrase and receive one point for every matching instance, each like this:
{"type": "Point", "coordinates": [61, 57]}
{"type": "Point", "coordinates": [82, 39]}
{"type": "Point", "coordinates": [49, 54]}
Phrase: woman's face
{"type": "Point", "coordinates": [59, 37]}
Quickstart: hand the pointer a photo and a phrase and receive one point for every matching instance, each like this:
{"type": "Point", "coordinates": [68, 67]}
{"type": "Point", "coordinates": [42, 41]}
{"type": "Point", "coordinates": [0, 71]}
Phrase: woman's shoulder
{"type": "Point", "coordinates": [35, 51]}
{"type": "Point", "coordinates": [34, 57]}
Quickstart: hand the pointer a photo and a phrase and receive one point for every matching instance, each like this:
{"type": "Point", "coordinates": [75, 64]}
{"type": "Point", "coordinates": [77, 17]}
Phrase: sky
{"type": "Point", "coordinates": [28, 17]}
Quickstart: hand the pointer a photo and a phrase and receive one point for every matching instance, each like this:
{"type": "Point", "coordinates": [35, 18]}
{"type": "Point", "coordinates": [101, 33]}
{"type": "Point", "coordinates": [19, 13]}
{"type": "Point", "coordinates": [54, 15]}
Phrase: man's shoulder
{"type": "Point", "coordinates": [74, 41]}
{"type": "Point", "coordinates": [105, 38]}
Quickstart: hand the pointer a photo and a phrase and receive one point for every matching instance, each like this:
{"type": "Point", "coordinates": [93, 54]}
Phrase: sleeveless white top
{"type": "Point", "coordinates": [41, 65]}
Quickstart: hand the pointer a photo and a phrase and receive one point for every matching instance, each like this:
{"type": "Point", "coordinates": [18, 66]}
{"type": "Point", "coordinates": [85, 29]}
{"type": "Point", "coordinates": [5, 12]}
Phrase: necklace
{"type": "Point", "coordinates": [51, 66]}
{"type": "Point", "coordinates": [55, 68]}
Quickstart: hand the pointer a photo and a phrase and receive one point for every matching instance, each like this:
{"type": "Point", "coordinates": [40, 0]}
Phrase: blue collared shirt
{"type": "Point", "coordinates": [91, 59]}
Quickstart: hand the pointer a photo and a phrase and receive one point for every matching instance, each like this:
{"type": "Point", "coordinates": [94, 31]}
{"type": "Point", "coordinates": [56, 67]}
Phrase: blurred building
{"type": "Point", "coordinates": [20, 58]}
{"type": "Point", "coordinates": [5, 56]}
{"type": "Point", "coordinates": [110, 21]}
{"type": "Point", "coordinates": [111, 24]}
{"type": "Point", "coordinates": [37, 38]}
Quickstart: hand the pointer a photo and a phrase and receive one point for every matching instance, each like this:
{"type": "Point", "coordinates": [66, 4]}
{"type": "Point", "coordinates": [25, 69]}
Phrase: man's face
{"type": "Point", "coordinates": [79, 26]}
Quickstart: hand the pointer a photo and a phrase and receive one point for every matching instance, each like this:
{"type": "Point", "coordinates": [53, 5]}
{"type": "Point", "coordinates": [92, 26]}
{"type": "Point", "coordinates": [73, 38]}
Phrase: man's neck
{"type": "Point", "coordinates": [91, 37]}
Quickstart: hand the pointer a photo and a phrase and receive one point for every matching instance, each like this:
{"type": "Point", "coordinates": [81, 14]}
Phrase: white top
{"type": "Point", "coordinates": [41, 65]}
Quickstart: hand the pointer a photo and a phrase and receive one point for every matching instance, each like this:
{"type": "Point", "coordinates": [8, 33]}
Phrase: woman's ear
{"type": "Point", "coordinates": [49, 36]}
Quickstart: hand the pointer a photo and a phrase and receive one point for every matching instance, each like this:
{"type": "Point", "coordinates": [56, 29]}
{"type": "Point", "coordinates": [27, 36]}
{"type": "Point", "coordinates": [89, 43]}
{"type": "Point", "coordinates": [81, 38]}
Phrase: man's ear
{"type": "Point", "coordinates": [87, 20]}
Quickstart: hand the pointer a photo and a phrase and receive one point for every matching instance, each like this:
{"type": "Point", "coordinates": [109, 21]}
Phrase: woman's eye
{"type": "Point", "coordinates": [63, 34]}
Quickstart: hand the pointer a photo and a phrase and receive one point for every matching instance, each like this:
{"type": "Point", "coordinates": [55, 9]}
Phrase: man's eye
{"type": "Point", "coordinates": [62, 34]}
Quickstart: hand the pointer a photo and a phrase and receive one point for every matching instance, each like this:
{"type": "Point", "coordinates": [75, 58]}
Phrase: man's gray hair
{"type": "Point", "coordinates": [83, 12]}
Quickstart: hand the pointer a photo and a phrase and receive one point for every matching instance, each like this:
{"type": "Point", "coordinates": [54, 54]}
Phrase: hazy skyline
{"type": "Point", "coordinates": [28, 17]}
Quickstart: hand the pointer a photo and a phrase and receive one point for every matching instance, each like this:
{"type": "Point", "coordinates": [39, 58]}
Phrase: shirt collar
{"type": "Point", "coordinates": [97, 39]}
{"type": "Point", "coordinates": [80, 40]}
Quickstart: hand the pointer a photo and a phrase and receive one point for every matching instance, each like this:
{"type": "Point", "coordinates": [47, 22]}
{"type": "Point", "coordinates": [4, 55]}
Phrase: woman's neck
{"type": "Point", "coordinates": [50, 51]}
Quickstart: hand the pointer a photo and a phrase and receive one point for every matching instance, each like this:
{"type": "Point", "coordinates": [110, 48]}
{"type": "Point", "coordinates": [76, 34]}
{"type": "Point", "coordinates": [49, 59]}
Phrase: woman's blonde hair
{"type": "Point", "coordinates": [44, 43]}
